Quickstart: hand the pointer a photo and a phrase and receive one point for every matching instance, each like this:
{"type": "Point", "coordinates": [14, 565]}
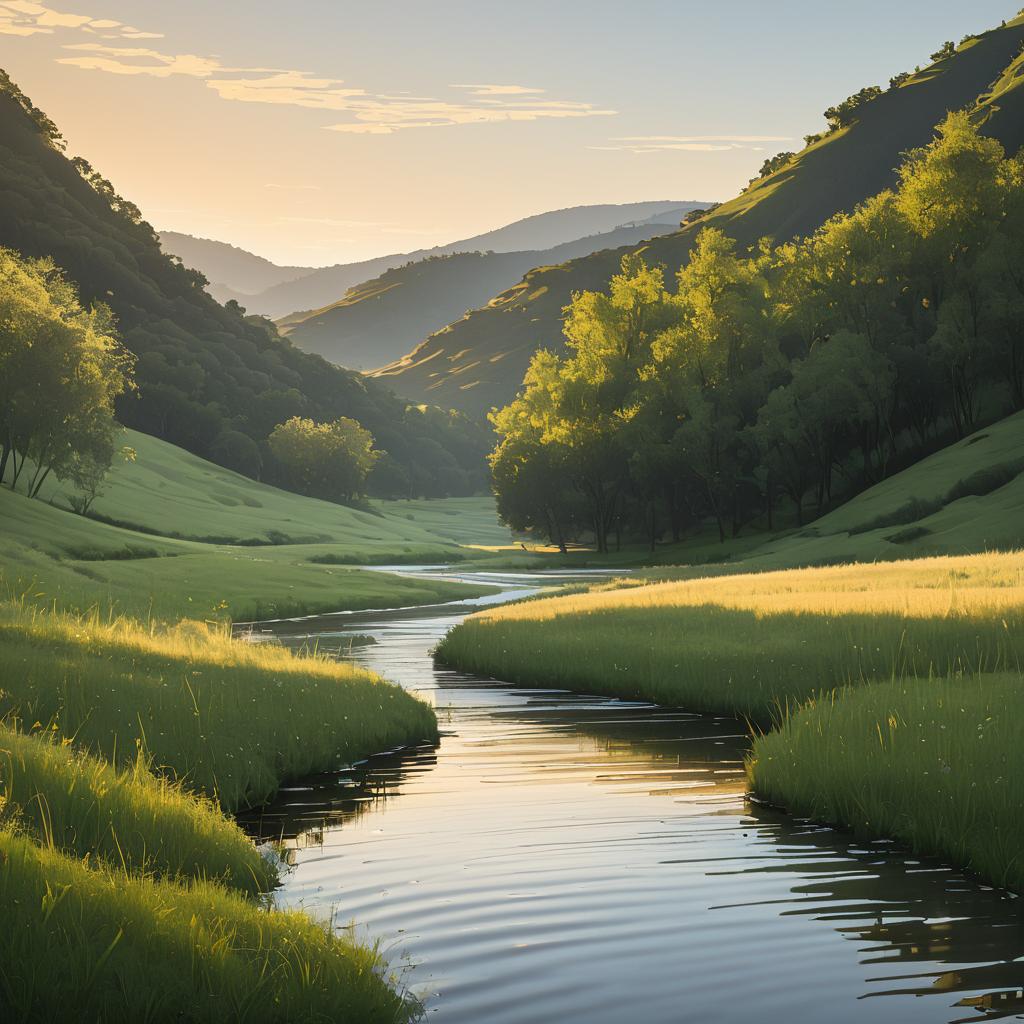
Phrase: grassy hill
{"type": "Point", "coordinates": [478, 361]}
{"type": "Point", "coordinates": [185, 537]}
{"type": "Point", "coordinates": [379, 321]}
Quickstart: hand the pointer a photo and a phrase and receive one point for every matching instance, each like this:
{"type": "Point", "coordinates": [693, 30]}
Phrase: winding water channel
{"type": "Point", "coordinates": [560, 858]}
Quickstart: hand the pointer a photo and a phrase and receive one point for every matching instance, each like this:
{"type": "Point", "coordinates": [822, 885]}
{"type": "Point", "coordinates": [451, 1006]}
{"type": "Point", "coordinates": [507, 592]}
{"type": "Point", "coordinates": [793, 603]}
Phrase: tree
{"type": "Point", "coordinates": [323, 460]}
{"type": "Point", "coordinates": [842, 115]}
{"type": "Point", "coordinates": [61, 369]}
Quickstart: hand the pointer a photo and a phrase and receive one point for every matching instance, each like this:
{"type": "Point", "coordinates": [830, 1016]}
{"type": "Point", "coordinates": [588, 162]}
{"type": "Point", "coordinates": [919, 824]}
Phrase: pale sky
{"type": "Point", "coordinates": [323, 131]}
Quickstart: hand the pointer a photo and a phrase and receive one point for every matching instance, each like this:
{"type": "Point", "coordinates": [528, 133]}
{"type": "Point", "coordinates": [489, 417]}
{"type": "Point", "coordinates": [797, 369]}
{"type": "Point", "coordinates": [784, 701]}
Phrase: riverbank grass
{"type": "Point", "coordinates": [933, 763]}
{"type": "Point", "coordinates": [227, 719]}
{"type": "Point", "coordinates": [117, 948]}
{"type": "Point", "coordinates": [755, 645]}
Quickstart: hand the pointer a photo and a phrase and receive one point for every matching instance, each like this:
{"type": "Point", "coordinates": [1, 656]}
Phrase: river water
{"type": "Point", "coordinates": [560, 858]}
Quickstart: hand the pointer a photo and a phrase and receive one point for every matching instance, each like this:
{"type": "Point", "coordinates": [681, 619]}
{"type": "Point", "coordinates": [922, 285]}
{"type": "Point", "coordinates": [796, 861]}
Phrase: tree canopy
{"type": "Point", "coordinates": [782, 376]}
{"type": "Point", "coordinates": [61, 371]}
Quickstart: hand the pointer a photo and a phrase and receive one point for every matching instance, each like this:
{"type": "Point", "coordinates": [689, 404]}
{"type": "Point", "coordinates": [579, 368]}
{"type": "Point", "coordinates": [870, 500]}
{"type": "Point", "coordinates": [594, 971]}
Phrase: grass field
{"type": "Point", "coordinates": [228, 719]}
{"type": "Point", "coordinates": [754, 644]}
{"type": "Point", "coordinates": [933, 763]}
{"type": "Point", "coordinates": [129, 819]}
{"type": "Point", "coordinates": [56, 556]}
{"type": "Point", "coordinates": [123, 744]}
{"type": "Point", "coordinates": [172, 493]}
{"type": "Point", "coordinates": [82, 939]}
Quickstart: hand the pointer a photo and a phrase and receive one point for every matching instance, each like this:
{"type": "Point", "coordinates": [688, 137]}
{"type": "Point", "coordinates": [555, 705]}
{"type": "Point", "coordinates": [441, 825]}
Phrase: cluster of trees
{"type": "Point", "coordinates": [324, 460]}
{"type": "Point", "coordinates": [794, 371]}
{"type": "Point", "coordinates": [61, 371]}
{"type": "Point", "coordinates": [207, 376]}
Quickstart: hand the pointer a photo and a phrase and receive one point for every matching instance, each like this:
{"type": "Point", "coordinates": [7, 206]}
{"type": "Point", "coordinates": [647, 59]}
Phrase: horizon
{"type": "Point", "coordinates": [413, 138]}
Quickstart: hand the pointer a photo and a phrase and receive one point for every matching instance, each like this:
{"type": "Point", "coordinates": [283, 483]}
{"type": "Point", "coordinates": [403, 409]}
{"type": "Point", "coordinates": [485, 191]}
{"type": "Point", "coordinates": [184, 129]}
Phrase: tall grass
{"type": "Point", "coordinates": [935, 764]}
{"type": "Point", "coordinates": [756, 644]}
{"type": "Point", "coordinates": [128, 819]}
{"type": "Point", "coordinates": [227, 719]}
{"type": "Point", "coordinates": [92, 944]}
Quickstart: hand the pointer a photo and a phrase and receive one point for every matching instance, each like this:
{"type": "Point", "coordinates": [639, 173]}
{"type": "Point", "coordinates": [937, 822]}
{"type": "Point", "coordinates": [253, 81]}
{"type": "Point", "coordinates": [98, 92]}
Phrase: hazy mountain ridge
{"type": "Point", "coordinates": [379, 321]}
{"type": "Point", "coordinates": [315, 287]}
{"type": "Point", "coordinates": [479, 360]}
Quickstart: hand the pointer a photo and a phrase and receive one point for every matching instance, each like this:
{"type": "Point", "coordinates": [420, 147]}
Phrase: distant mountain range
{"type": "Point", "coordinates": [271, 290]}
{"type": "Point", "coordinates": [478, 361]}
{"type": "Point", "coordinates": [381, 320]}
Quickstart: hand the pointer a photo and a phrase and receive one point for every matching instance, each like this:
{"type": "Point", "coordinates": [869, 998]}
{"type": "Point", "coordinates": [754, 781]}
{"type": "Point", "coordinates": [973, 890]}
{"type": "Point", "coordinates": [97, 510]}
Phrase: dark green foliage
{"type": "Point", "coordinates": [842, 115]}
{"type": "Point", "coordinates": [203, 370]}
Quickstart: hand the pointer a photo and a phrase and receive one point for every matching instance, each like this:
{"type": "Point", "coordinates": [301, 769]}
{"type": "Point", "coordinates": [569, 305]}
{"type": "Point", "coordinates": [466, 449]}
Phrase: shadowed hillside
{"type": "Point", "coordinates": [379, 321]}
{"type": "Point", "coordinates": [205, 374]}
{"type": "Point", "coordinates": [478, 361]}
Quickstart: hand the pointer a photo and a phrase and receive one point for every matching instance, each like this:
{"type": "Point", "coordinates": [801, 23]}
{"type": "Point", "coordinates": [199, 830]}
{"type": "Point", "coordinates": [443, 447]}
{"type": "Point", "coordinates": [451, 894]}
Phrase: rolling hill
{"type": "Point", "coordinates": [379, 321]}
{"type": "Point", "coordinates": [236, 274]}
{"type": "Point", "coordinates": [478, 361]}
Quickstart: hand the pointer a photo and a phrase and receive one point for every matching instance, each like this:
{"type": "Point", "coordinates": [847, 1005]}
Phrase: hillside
{"type": "Point", "coordinates": [320, 287]}
{"type": "Point", "coordinates": [203, 371]}
{"type": "Point", "coordinates": [379, 321]}
{"type": "Point", "coordinates": [478, 361]}
{"type": "Point", "coordinates": [233, 273]}
{"type": "Point", "coordinates": [172, 531]}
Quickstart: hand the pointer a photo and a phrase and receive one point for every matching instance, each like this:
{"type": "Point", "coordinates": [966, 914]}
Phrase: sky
{"type": "Point", "coordinates": [327, 131]}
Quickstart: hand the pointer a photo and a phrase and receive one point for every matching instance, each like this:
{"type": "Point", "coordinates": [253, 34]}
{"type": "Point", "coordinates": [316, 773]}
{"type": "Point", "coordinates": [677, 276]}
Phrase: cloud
{"type": "Point", "coordinates": [364, 113]}
{"type": "Point", "coordinates": [497, 90]}
{"type": "Point", "coordinates": [134, 60]}
{"type": "Point", "coordinates": [24, 18]}
{"type": "Point", "coordinates": [688, 143]}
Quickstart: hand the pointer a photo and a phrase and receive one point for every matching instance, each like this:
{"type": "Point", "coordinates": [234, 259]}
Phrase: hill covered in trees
{"type": "Point", "coordinates": [208, 378]}
{"type": "Point", "coordinates": [795, 375]}
{"type": "Point", "coordinates": [478, 361]}
{"type": "Point", "coordinates": [379, 321]}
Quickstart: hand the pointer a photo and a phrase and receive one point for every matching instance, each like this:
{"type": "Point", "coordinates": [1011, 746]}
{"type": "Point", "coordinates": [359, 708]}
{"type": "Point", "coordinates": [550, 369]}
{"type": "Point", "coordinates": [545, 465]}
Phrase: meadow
{"type": "Point", "coordinates": [82, 936]}
{"type": "Point", "coordinates": [933, 763]}
{"type": "Point", "coordinates": [123, 745]}
{"type": "Point", "coordinates": [753, 645]}
{"type": "Point", "coordinates": [225, 718]}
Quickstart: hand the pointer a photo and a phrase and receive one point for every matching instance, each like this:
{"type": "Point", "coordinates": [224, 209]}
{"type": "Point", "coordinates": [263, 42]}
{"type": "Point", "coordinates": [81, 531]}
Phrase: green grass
{"type": "Point", "coordinates": [227, 719]}
{"type": "Point", "coordinates": [935, 764]}
{"type": "Point", "coordinates": [108, 948]}
{"type": "Point", "coordinates": [53, 555]}
{"type": "Point", "coordinates": [170, 492]}
{"type": "Point", "coordinates": [129, 819]}
{"type": "Point", "coordinates": [755, 644]}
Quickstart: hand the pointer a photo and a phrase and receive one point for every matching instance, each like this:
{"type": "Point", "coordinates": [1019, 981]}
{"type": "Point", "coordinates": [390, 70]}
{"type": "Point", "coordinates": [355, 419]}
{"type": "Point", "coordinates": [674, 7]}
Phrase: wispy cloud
{"type": "Point", "coordinates": [24, 18]}
{"type": "Point", "coordinates": [360, 111]}
{"type": "Point", "coordinates": [689, 143]}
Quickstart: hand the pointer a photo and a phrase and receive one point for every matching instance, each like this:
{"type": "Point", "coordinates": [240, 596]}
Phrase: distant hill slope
{"type": "Point", "coordinates": [381, 320]}
{"type": "Point", "coordinates": [478, 361]}
{"type": "Point", "coordinates": [204, 373]}
{"type": "Point", "coordinates": [315, 288]}
{"type": "Point", "coordinates": [232, 272]}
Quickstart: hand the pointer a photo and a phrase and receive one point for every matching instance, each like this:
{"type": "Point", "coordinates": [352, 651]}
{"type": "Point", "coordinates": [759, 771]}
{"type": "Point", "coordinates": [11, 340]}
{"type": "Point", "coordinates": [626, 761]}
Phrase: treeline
{"type": "Point", "coordinates": [784, 377]}
{"type": "Point", "coordinates": [208, 378]}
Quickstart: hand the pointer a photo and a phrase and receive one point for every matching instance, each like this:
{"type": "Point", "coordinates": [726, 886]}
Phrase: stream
{"type": "Point", "coordinates": [562, 858]}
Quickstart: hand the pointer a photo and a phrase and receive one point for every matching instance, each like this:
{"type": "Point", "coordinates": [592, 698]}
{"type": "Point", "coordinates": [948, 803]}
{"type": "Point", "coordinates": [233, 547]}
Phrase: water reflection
{"type": "Point", "coordinates": [579, 859]}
